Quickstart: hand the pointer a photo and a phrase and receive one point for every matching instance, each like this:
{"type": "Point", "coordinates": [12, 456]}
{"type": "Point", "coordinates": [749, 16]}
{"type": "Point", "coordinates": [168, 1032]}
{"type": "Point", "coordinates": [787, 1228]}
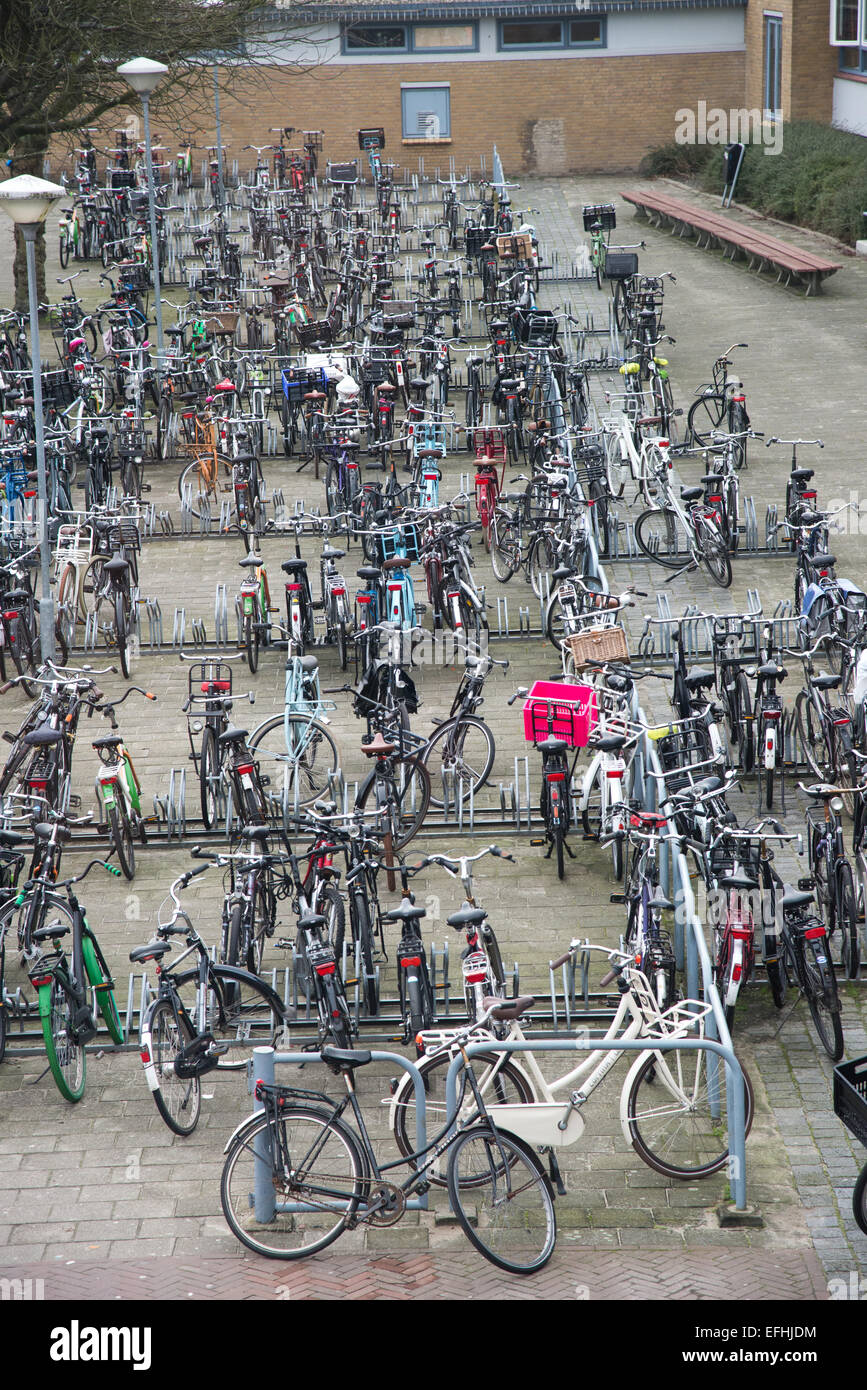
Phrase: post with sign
{"type": "Point", "coordinates": [733, 158]}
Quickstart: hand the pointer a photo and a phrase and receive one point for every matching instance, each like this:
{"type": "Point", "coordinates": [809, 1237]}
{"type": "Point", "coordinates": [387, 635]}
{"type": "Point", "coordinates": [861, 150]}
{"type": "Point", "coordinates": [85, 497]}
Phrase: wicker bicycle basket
{"type": "Point", "coordinates": [599, 644]}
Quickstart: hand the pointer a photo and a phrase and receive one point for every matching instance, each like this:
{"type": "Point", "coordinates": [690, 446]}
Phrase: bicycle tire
{"type": "Point", "coordinates": [502, 1199]}
{"type": "Point", "coordinates": [2, 1000]}
{"type": "Point", "coordinates": [714, 551]}
{"type": "Point", "coordinates": [505, 550]}
{"type": "Point", "coordinates": [100, 979]}
{"type": "Point", "coordinates": [820, 989]}
{"type": "Point", "coordinates": [66, 1057]}
{"type": "Point", "coordinates": [120, 632]}
{"type": "Point", "coordinates": [847, 921]}
{"type": "Point", "coordinates": [743, 714]}
{"type": "Point", "coordinates": [541, 561]}
{"type": "Point", "coordinates": [559, 849]}
{"type": "Point", "coordinates": [705, 415]}
{"type": "Point", "coordinates": [408, 821]}
{"type": "Point", "coordinates": [681, 1139]}
{"type": "Point", "coordinates": [239, 1008]}
{"type": "Point", "coordinates": [738, 423]}
{"type": "Point", "coordinates": [63, 252]}
{"type": "Point", "coordinates": [859, 1200]}
{"type": "Point", "coordinates": [777, 980]}
{"type": "Point", "coordinates": [192, 474]}
{"type": "Point", "coordinates": [164, 427]}
{"type": "Point", "coordinates": [813, 736]}
{"type": "Point", "coordinates": [732, 517]}
{"type": "Point", "coordinates": [251, 643]}
{"type": "Point", "coordinates": [659, 535]}
{"type": "Point", "coordinates": [209, 778]}
{"type": "Point", "coordinates": [471, 772]}
{"type": "Point", "coordinates": [120, 834]}
{"type": "Point", "coordinates": [309, 771]}
{"type": "Point", "coordinates": [178, 1099]}
{"type": "Point", "coordinates": [23, 655]}
{"type": "Point", "coordinates": [67, 603]}
{"type": "Point", "coordinates": [334, 1151]}
{"type": "Point", "coordinates": [362, 935]}
{"type": "Point", "coordinates": [131, 479]}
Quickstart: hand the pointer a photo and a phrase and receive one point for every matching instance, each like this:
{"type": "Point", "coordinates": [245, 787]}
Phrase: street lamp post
{"type": "Point", "coordinates": [144, 75]}
{"type": "Point", "coordinates": [27, 201]}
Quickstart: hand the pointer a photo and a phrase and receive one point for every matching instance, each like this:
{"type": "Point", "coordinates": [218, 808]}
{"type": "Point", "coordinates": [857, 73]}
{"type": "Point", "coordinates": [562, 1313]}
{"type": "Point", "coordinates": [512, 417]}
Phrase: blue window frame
{"type": "Point", "coordinates": [585, 31]}
{"type": "Point", "coordinates": [773, 84]}
{"type": "Point", "coordinates": [426, 111]}
{"type": "Point", "coordinates": [448, 37]}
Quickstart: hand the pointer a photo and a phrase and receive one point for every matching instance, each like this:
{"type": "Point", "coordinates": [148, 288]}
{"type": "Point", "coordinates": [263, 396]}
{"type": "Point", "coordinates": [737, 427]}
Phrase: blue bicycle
{"type": "Point", "coordinates": [297, 756]}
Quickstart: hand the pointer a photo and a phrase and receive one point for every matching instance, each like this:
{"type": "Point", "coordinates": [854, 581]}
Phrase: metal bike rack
{"type": "Point", "coordinates": [179, 627]}
{"type": "Point", "coordinates": [221, 617]}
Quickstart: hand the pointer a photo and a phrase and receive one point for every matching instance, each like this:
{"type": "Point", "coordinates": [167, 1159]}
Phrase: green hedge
{"type": "Point", "coordinates": [818, 180]}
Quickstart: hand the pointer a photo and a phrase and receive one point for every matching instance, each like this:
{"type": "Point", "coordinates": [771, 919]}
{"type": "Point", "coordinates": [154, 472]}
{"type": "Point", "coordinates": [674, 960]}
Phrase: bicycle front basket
{"type": "Point", "coordinates": [603, 213]}
{"type": "Point", "coordinates": [599, 644]}
{"type": "Point", "coordinates": [621, 265]}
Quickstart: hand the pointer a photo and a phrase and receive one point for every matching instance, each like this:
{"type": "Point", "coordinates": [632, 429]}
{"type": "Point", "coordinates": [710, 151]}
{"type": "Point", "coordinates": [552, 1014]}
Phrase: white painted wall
{"type": "Point", "coordinates": [850, 105]}
{"type": "Point", "coordinates": [684, 31]}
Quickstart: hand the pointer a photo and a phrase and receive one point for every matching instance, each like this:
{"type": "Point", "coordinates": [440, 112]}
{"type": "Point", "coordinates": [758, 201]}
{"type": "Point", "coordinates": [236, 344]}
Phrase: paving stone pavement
{"type": "Point", "coordinates": [86, 1190]}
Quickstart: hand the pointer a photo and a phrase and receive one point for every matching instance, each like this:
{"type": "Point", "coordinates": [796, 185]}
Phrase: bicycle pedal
{"type": "Point", "coordinates": [102, 827]}
{"type": "Point", "coordinates": [617, 897]}
{"type": "Point", "coordinates": [806, 885]}
{"type": "Point", "coordinates": [536, 843]}
{"type": "Point", "coordinates": [75, 802]}
{"type": "Point", "coordinates": [218, 1049]}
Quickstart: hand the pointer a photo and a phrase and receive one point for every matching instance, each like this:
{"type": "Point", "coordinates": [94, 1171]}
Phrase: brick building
{"type": "Point", "coordinates": [557, 86]}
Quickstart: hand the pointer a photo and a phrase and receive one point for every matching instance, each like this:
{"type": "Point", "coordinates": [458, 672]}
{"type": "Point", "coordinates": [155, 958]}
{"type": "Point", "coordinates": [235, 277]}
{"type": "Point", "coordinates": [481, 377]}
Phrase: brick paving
{"type": "Point", "coordinates": [100, 1197]}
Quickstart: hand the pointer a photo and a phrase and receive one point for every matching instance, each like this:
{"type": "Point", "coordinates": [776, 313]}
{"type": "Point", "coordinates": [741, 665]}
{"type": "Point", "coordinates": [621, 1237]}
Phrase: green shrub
{"type": "Point", "coordinates": [818, 180]}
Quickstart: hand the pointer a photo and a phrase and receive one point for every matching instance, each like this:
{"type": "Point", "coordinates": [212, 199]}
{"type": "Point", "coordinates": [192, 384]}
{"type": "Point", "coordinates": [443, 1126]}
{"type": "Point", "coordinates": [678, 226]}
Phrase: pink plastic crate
{"type": "Point", "coordinates": [562, 711]}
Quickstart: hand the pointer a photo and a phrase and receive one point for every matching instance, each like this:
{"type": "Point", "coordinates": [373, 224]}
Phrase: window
{"type": "Point", "coordinates": [773, 62]}
{"type": "Point", "coordinates": [586, 32]}
{"type": "Point", "coordinates": [376, 36]}
{"type": "Point", "coordinates": [442, 38]}
{"type": "Point", "coordinates": [853, 60]}
{"type": "Point", "coordinates": [849, 22]}
{"type": "Point", "coordinates": [426, 111]}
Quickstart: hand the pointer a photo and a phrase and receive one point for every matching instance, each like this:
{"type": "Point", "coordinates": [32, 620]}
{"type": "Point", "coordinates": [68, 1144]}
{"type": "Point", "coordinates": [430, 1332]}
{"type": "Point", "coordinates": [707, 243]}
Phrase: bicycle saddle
{"type": "Point", "coordinates": [292, 566]}
{"type": "Point", "coordinates": [154, 950]}
{"type": "Point", "coordinates": [801, 475]}
{"type": "Point", "coordinates": [244, 458]}
{"type": "Point", "coordinates": [310, 664]}
{"type": "Point", "coordinates": [437, 454]}
{"type": "Point", "coordinates": [419, 383]}
{"type": "Point", "coordinates": [658, 903]}
{"type": "Point", "coordinates": [329, 552]}
{"type": "Point", "coordinates": [250, 561]}
{"type": "Point", "coordinates": [513, 1008]}
{"type": "Point", "coordinates": [564, 572]}
{"type": "Point", "coordinates": [232, 735]}
{"type": "Point", "coordinates": [315, 396]}
{"type": "Point", "coordinates": [408, 912]}
{"type": "Point", "coordinates": [377, 747]}
{"type": "Point", "coordinates": [771, 670]}
{"type": "Point", "coordinates": [108, 741]}
{"type": "Point", "coordinates": [821, 789]}
{"type": "Point", "coordinates": [368, 572]}
{"type": "Point", "coordinates": [510, 383]}
{"type": "Point", "coordinates": [116, 565]}
{"type": "Point", "coordinates": [737, 881]}
{"type": "Point", "coordinates": [691, 494]}
{"type": "Point", "coordinates": [467, 917]}
{"type": "Point", "coordinates": [312, 921]}
{"type": "Point", "coordinates": [386, 387]}
{"type": "Point", "coordinates": [44, 737]}
{"type": "Point", "coordinates": [699, 677]}
{"type": "Point", "coordinates": [710, 479]}
{"type": "Point", "coordinates": [793, 899]}
{"type": "Point", "coordinates": [43, 831]}
{"type": "Point", "coordinates": [51, 932]}
{"type": "Point", "coordinates": [552, 745]}
{"type": "Point", "coordinates": [609, 743]}
{"type": "Point", "coordinates": [475, 361]}
{"type": "Point", "coordinates": [255, 832]}
{"type": "Point", "coordinates": [9, 839]}
{"type": "Point", "coordinates": [823, 560]}
{"type": "Point", "coordinates": [825, 682]}
{"type": "Point", "coordinates": [396, 562]}
{"type": "Point", "coordinates": [512, 497]}
{"type": "Point", "coordinates": [343, 1058]}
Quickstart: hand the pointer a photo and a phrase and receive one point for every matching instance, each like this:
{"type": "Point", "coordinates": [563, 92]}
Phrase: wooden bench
{"type": "Point", "coordinates": [715, 229]}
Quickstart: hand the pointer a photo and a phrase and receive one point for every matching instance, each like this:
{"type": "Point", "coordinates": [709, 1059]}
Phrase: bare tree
{"type": "Point", "coordinates": [58, 65]}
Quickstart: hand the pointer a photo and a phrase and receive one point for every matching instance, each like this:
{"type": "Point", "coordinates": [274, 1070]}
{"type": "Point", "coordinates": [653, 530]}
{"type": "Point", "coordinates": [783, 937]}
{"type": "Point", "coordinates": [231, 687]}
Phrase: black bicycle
{"type": "Point", "coordinates": [832, 872]}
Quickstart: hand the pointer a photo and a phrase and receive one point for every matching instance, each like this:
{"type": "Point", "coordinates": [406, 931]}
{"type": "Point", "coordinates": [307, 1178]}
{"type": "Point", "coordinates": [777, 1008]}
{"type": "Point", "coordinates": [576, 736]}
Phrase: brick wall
{"type": "Point", "coordinates": [548, 117]}
{"type": "Point", "coordinates": [809, 63]}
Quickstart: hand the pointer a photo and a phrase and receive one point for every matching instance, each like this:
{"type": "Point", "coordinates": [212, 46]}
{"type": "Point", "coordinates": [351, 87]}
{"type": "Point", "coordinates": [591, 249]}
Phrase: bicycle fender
{"type": "Point", "coordinates": [146, 1051]}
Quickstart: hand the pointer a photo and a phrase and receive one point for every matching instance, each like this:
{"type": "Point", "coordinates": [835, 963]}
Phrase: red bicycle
{"type": "Point", "coordinates": [490, 448]}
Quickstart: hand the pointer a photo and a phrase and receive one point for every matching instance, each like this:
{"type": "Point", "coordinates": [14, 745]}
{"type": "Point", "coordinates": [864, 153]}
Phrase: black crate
{"type": "Point", "coordinates": [535, 327]}
{"type": "Point", "coordinates": [621, 265]}
{"type": "Point", "coordinates": [603, 213]}
{"type": "Point", "coordinates": [476, 238]}
{"type": "Point", "coordinates": [123, 178]}
{"type": "Point", "coordinates": [850, 1096]}
{"type": "Point", "coordinates": [372, 138]}
{"type": "Point", "coordinates": [343, 173]}
{"type": "Point", "coordinates": [319, 333]}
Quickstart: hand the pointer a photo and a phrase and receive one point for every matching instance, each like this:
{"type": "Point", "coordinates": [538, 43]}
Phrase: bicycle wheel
{"type": "Point", "coordinates": [738, 423]}
{"type": "Point", "coordinates": [459, 758]}
{"type": "Point", "coordinates": [2, 1000]}
{"type": "Point", "coordinates": [291, 1184]}
{"type": "Point", "coordinates": [120, 631]}
{"type": "Point", "coordinates": [408, 792]}
{"type": "Point", "coordinates": [92, 585]}
{"type": "Point", "coordinates": [202, 488]}
{"type": "Point", "coordinates": [820, 988]}
{"type": "Point", "coordinates": [66, 1056]}
{"type": "Point", "coordinates": [811, 731]}
{"type": "Point", "coordinates": [299, 774]}
{"type": "Point", "coordinates": [63, 250]}
{"type": "Point", "coordinates": [714, 551]}
{"type": "Point", "coordinates": [847, 921]}
{"type": "Point", "coordinates": [209, 778]}
{"type": "Point", "coordinates": [732, 514]}
{"type": "Point", "coordinates": [705, 416]}
{"type": "Point", "coordinates": [67, 603]}
{"type": "Point", "coordinates": [742, 713]}
{"type": "Point", "coordinates": [661, 537]}
{"type": "Point", "coordinates": [240, 1009]}
{"type": "Point", "coordinates": [178, 1099]}
{"type": "Point", "coordinates": [541, 563]}
{"type": "Point", "coordinates": [500, 1194]}
{"type": "Point", "coordinates": [131, 478]}
{"type": "Point", "coordinates": [777, 981]}
{"type": "Point", "coordinates": [362, 935]}
{"type": "Point", "coordinates": [251, 642]}
{"type": "Point", "coordinates": [859, 1200]}
{"type": "Point", "coordinates": [672, 1124]}
{"type": "Point", "coordinates": [120, 834]}
{"type": "Point", "coordinates": [165, 418]}
{"type": "Point", "coordinates": [500, 1085]}
{"type": "Point", "coordinates": [99, 976]}
{"type": "Point", "coordinates": [505, 549]}
{"type": "Point", "coordinates": [25, 653]}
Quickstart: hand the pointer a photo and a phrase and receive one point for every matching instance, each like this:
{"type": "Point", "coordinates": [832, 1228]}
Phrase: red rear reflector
{"type": "Point", "coordinates": [145, 1055]}
{"type": "Point", "coordinates": [476, 979]}
{"type": "Point", "coordinates": [772, 713]}
{"type": "Point", "coordinates": [395, 588]}
{"type": "Point", "coordinates": [215, 685]}
{"type": "Point", "coordinates": [363, 598]}
{"type": "Point", "coordinates": [410, 960]}
{"type": "Point", "coordinates": [245, 769]}
{"type": "Point", "coordinates": [37, 784]}
{"type": "Point", "coordinates": [327, 969]}
{"type": "Point", "coordinates": [292, 588]}
{"type": "Point", "coordinates": [338, 591]}
{"type": "Point", "coordinates": [556, 777]}
{"type": "Point", "coordinates": [37, 980]}
{"type": "Point", "coordinates": [736, 972]}
{"type": "Point", "coordinates": [615, 772]}
{"type": "Point", "coordinates": [844, 719]}
{"type": "Point", "coordinates": [812, 932]}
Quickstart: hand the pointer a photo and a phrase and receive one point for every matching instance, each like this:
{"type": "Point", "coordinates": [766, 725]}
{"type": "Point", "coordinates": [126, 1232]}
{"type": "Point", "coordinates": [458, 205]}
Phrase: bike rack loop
{"type": "Point", "coordinates": [262, 1069]}
{"type": "Point", "coordinates": [734, 1090]}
